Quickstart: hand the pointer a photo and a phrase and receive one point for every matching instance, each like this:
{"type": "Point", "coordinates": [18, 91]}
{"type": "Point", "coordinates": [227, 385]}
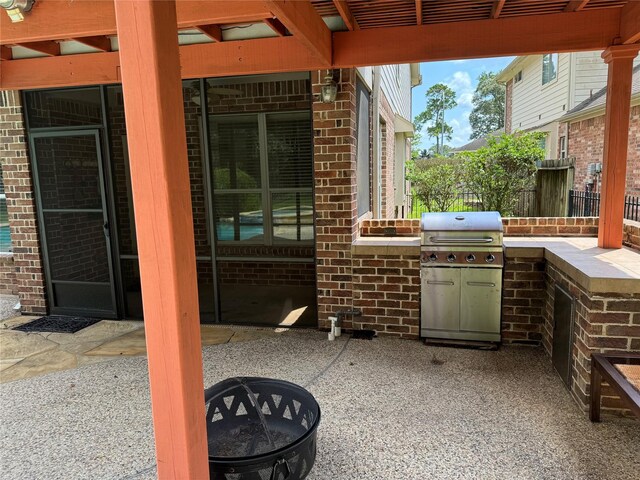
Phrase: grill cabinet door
{"type": "Point", "coordinates": [480, 299]}
{"type": "Point", "coordinates": [440, 298]}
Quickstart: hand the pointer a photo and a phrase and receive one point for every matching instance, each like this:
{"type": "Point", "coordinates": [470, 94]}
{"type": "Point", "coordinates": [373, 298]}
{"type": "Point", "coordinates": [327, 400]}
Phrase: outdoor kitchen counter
{"type": "Point", "coordinates": [386, 246]}
{"type": "Point", "coordinates": [598, 270]}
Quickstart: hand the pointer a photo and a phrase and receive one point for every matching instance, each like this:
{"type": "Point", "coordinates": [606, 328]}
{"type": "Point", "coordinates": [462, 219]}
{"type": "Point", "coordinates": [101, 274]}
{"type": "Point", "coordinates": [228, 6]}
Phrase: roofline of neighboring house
{"type": "Point", "coordinates": [416, 78]}
{"type": "Point", "coordinates": [595, 111]}
{"type": "Point", "coordinates": [510, 70]}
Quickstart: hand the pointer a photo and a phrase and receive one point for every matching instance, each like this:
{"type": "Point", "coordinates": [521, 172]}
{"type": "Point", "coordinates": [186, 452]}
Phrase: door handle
{"type": "Point", "coordinates": [434, 282]}
{"type": "Point", "coordinates": [481, 284]}
{"type": "Point", "coordinates": [105, 227]}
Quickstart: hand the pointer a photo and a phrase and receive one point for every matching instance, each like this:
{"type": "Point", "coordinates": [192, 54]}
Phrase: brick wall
{"type": "Point", "coordinates": [379, 227]}
{"type": "Point", "coordinates": [631, 234]}
{"type": "Point", "coordinates": [586, 143]}
{"type": "Point", "coordinates": [604, 322]}
{"type": "Point", "coordinates": [8, 284]}
{"type": "Point", "coordinates": [334, 126]}
{"type": "Point", "coordinates": [387, 290]}
{"type": "Point", "coordinates": [508, 106]}
{"type": "Point", "coordinates": [551, 226]}
{"type": "Point", "coordinates": [523, 300]}
{"type": "Point", "coordinates": [387, 116]}
{"type": "Point", "coordinates": [18, 184]}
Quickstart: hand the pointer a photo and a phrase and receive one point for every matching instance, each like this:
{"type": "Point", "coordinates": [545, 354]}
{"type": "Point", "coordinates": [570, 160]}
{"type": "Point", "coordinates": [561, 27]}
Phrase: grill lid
{"type": "Point", "coordinates": [461, 221]}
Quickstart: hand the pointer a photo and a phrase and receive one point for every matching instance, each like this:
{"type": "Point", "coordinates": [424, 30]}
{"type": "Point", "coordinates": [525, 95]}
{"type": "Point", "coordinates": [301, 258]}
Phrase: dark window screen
{"type": "Point", "coordinates": [362, 160]}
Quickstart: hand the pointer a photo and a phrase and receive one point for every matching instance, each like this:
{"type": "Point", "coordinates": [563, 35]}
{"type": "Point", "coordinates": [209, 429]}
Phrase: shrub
{"type": "Point", "coordinates": [436, 182]}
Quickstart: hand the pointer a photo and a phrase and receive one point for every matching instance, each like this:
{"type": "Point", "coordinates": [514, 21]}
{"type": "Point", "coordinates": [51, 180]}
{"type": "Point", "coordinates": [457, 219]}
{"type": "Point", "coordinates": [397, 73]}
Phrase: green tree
{"type": "Point", "coordinates": [436, 182]}
{"type": "Point", "coordinates": [440, 98]}
{"type": "Point", "coordinates": [497, 173]}
{"type": "Point", "coordinates": [488, 106]}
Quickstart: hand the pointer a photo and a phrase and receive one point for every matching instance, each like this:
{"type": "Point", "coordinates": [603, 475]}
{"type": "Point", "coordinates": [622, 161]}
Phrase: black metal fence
{"type": "Point", "coordinates": [468, 202]}
{"type": "Point", "coordinates": [587, 204]}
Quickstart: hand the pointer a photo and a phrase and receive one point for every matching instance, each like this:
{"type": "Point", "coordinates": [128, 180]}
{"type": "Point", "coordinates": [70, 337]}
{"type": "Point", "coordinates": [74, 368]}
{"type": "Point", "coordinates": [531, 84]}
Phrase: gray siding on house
{"type": "Point", "coordinates": [396, 85]}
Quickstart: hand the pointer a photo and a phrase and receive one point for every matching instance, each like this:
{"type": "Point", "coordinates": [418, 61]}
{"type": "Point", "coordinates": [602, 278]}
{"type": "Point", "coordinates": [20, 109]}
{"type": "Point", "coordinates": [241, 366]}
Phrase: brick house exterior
{"type": "Point", "coordinates": [334, 130]}
{"type": "Point", "coordinates": [585, 138]}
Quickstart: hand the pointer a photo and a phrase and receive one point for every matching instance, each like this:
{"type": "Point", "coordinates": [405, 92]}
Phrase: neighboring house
{"type": "Point", "coordinates": [585, 126]}
{"type": "Point", "coordinates": [478, 143]}
{"type": "Point", "coordinates": [542, 89]}
{"type": "Point", "coordinates": [271, 168]}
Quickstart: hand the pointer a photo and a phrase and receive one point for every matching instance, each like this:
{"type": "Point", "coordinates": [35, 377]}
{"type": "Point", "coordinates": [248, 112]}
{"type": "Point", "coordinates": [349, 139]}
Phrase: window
{"type": "Point", "coordinates": [563, 147]}
{"type": "Point", "coordinates": [262, 177]}
{"type": "Point", "coordinates": [5, 239]}
{"type": "Point", "coordinates": [363, 161]}
{"type": "Point", "coordinates": [543, 144]}
{"type": "Point", "coordinates": [549, 67]}
{"type": "Point", "coordinates": [518, 77]}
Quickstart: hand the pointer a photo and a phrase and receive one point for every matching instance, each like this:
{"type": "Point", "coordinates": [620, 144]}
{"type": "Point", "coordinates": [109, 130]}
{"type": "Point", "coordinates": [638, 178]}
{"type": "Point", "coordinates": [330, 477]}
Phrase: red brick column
{"type": "Point", "coordinates": [334, 128]}
{"type": "Point", "coordinates": [21, 208]}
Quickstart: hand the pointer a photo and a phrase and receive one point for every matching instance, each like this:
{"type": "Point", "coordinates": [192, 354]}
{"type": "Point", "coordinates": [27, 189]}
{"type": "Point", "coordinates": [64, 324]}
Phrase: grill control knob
{"type": "Point", "coordinates": [433, 257]}
{"type": "Point", "coordinates": [471, 258]}
{"type": "Point", "coordinates": [451, 258]}
{"type": "Point", "coordinates": [490, 258]}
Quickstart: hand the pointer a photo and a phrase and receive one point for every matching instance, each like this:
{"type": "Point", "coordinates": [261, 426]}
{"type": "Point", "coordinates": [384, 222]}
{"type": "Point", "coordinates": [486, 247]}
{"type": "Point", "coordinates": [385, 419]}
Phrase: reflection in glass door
{"type": "Point", "coordinates": [74, 223]}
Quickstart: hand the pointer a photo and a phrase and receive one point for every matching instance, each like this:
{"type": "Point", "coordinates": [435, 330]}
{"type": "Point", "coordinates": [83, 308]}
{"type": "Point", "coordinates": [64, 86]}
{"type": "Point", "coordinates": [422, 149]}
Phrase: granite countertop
{"type": "Point", "coordinates": [599, 270]}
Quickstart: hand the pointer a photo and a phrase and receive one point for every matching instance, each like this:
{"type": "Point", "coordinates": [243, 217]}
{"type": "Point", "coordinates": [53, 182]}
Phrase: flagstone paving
{"type": "Point", "coordinates": [27, 354]}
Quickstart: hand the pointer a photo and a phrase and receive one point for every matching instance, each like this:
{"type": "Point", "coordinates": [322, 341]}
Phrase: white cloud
{"type": "Point", "coordinates": [460, 82]}
{"type": "Point", "coordinates": [461, 129]}
{"type": "Point", "coordinates": [465, 99]}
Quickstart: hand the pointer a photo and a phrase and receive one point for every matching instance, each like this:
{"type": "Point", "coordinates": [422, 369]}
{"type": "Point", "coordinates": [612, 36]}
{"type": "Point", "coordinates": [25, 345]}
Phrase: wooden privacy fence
{"type": "Point", "coordinates": [587, 204]}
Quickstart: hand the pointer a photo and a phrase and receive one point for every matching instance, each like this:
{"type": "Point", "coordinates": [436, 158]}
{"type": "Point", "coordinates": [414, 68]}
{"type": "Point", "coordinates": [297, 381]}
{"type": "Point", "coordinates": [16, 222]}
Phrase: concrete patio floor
{"type": "Point", "coordinates": [388, 412]}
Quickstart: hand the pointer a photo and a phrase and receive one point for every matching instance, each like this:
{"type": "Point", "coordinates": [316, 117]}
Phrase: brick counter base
{"type": "Point", "coordinates": [604, 323]}
{"type": "Point", "coordinates": [387, 290]}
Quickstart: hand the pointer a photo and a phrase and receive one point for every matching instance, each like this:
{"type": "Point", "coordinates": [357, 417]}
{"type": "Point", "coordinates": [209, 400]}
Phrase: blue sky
{"type": "Point", "coordinates": [462, 77]}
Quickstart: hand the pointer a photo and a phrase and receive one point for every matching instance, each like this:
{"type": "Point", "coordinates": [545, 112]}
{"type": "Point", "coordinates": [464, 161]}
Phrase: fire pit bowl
{"type": "Point", "coordinates": [260, 429]}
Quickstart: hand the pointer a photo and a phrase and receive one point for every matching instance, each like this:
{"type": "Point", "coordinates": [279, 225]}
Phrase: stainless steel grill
{"type": "Point", "coordinates": [461, 268]}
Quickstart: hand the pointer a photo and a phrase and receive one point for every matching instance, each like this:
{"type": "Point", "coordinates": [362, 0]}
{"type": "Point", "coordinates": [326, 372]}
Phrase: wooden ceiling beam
{"type": "Point", "coordinates": [267, 55]}
{"type": "Point", "coordinates": [563, 32]}
{"type": "Point", "coordinates": [5, 53]}
{"type": "Point", "coordinates": [62, 19]}
{"type": "Point", "coordinates": [630, 23]}
{"type": "Point", "coordinates": [306, 25]}
{"type": "Point", "coordinates": [98, 42]}
{"type": "Point", "coordinates": [48, 47]}
{"type": "Point", "coordinates": [575, 5]}
{"type": "Point", "coordinates": [214, 32]}
{"type": "Point", "coordinates": [418, 12]}
{"type": "Point", "coordinates": [347, 16]}
{"type": "Point", "coordinates": [497, 8]}
{"type": "Point", "coordinates": [277, 26]}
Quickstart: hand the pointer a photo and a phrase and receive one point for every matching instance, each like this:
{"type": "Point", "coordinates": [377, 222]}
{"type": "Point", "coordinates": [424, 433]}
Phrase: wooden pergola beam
{"type": "Point", "coordinates": [276, 25]}
{"type": "Point", "coordinates": [347, 16]}
{"type": "Point", "coordinates": [496, 9]}
{"type": "Point", "coordinates": [575, 5]}
{"type": "Point", "coordinates": [214, 32]}
{"type": "Point", "coordinates": [630, 23]}
{"type": "Point", "coordinates": [98, 42]}
{"type": "Point", "coordinates": [5, 53]}
{"type": "Point", "coordinates": [306, 25]}
{"type": "Point", "coordinates": [564, 32]}
{"type": "Point", "coordinates": [561, 32]}
{"type": "Point", "coordinates": [616, 143]}
{"type": "Point", "coordinates": [418, 12]}
{"type": "Point", "coordinates": [48, 47]}
{"type": "Point", "coordinates": [62, 19]}
{"type": "Point", "coordinates": [157, 146]}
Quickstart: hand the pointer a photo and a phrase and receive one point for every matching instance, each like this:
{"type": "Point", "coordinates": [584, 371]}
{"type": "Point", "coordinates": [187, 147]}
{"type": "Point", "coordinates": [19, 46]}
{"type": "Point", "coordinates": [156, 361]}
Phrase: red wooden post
{"type": "Point", "coordinates": [616, 139]}
{"type": "Point", "coordinates": [147, 35]}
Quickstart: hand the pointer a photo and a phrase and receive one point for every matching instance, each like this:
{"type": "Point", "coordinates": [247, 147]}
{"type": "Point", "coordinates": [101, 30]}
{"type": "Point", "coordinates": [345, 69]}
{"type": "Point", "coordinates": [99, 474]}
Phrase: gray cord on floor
{"type": "Point", "coordinates": [329, 365]}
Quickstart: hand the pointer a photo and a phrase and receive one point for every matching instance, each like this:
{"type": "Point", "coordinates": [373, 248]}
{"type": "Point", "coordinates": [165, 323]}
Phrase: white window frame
{"type": "Point", "coordinates": [563, 146]}
{"type": "Point", "coordinates": [517, 78]}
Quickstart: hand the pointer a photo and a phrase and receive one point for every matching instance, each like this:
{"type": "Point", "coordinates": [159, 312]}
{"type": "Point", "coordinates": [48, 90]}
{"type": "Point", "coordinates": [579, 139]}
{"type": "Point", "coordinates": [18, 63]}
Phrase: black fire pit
{"type": "Point", "coordinates": [260, 429]}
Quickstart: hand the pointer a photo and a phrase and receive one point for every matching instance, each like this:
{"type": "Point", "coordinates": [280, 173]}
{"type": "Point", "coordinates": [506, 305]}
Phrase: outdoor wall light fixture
{"type": "Point", "coordinates": [329, 90]}
{"type": "Point", "coordinates": [16, 8]}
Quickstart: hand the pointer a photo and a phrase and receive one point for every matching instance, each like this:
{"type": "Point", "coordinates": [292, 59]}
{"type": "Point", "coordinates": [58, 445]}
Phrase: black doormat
{"type": "Point", "coordinates": [57, 324]}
